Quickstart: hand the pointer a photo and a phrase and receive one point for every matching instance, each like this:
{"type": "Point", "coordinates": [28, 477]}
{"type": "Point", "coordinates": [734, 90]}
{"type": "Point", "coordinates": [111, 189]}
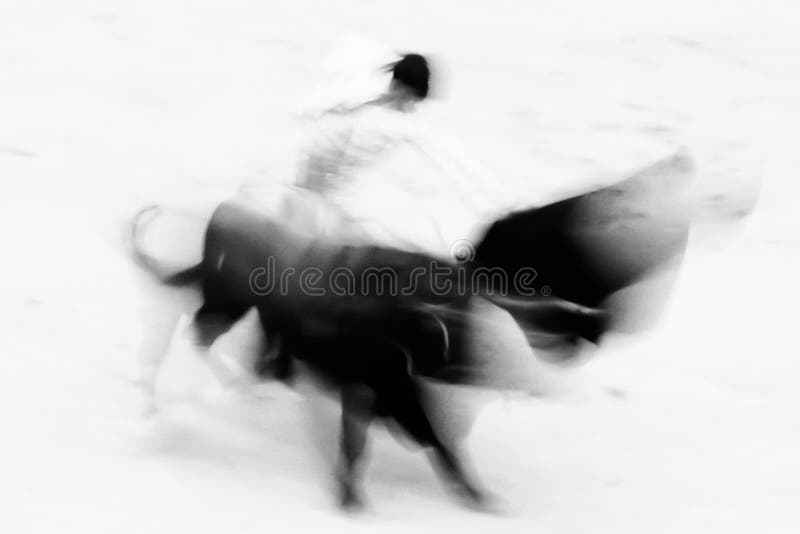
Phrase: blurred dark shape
{"type": "Point", "coordinates": [605, 260]}
{"type": "Point", "coordinates": [364, 342]}
{"type": "Point", "coordinates": [374, 345]}
{"type": "Point", "coordinates": [586, 248]}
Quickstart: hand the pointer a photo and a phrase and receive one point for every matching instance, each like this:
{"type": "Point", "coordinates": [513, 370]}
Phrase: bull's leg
{"type": "Point", "coordinates": [358, 406]}
{"type": "Point", "coordinates": [151, 354]}
{"type": "Point", "coordinates": [453, 469]}
{"type": "Point", "coordinates": [282, 365]}
{"type": "Point", "coordinates": [164, 312]}
{"type": "Point", "coordinates": [263, 365]}
{"type": "Point", "coordinates": [208, 325]}
{"type": "Point", "coordinates": [276, 358]}
{"type": "Point", "coordinates": [404, 405]}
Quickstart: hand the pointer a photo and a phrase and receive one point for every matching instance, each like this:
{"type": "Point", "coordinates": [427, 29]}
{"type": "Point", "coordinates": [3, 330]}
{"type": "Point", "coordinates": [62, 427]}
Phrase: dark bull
{"type": "Point", "coordinates": [374, 343]}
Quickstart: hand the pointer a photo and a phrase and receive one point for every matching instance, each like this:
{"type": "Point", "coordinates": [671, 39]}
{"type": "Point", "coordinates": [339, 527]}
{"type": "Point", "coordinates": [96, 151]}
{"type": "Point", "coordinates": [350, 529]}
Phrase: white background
{"type": "Point", "coordinates": [106, 105]}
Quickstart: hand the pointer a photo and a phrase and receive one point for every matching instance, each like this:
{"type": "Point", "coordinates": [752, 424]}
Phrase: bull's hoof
{"type": "Point", "coordinates": [349, 500]}
{"type": "Point", "coordinates": [481, 501]}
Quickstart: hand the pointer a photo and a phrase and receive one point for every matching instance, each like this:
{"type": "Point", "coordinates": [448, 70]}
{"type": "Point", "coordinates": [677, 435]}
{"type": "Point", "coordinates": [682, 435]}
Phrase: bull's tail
{"type": "Point", "coordinates": [181, 278]}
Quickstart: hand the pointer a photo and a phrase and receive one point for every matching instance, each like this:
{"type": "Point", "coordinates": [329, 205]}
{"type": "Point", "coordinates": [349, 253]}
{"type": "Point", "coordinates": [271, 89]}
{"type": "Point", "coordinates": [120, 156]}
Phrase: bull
{"type": "Point", "coordinates": [375, 343]}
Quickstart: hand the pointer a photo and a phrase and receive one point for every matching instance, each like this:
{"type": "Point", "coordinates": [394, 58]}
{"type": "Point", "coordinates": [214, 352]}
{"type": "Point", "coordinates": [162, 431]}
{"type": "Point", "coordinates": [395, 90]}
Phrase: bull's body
{"type": "Point", "coordinates": [368, 343]}
{"type": "Point", "coordinates": [372, 344]}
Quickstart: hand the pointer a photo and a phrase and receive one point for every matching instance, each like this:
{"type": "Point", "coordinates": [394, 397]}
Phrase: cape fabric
{"type": "Point", "coordinates": [587, 247]}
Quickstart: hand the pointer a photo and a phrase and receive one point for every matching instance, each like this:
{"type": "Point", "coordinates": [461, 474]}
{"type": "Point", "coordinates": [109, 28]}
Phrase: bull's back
{"type": "Point", "coordinates": [243, 246]}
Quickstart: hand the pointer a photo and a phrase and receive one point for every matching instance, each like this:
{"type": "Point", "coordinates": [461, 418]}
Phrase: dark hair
{"type": "Point", "coordinates": [412, 71]}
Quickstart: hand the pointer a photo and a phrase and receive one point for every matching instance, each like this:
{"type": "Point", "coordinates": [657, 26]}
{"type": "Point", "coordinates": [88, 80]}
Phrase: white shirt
{"type": "Point", "coordinates": [396, 179]}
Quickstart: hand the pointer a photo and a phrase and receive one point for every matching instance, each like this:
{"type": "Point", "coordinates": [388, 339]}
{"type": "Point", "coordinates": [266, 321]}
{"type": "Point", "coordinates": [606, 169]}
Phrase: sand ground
{"type": "Point", "coordinates": [106, 105]}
